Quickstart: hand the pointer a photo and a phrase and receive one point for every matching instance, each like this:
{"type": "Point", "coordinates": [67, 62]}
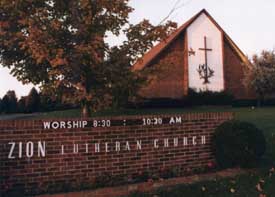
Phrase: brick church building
{"type": "Point", "coordinates": [198, 55]}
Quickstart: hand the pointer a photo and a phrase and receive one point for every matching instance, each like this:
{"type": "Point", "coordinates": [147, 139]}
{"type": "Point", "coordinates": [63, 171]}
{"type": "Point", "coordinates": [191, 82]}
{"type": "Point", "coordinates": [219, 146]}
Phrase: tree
{"type": "Point", "coordinates": [261, 77]}
{"type": "Point", "coordinates": [9, 102]}
{"type": "Point", "coordinates": [5, 104]}
{"type": "Point", "coordinates": [60, 44]}
{"type": "Point", "coordinates": [12, 101]}
{"type": "Point", "coordinates": [47, 104]}
{"type": "Point", "coordinates": [21, 105]}
{"type": "Point", "coordinates": [1, 106]}
{"type": "Point", "coordinates": [33, 101]}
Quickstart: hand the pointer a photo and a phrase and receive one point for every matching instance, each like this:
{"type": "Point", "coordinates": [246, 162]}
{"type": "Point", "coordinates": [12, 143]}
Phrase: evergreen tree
{"type": "Point", "coordinates": [5, 104]}
{"type": "Point", "coordinates": [0, 105]}
{"type": "Point", "coordinates": [9, 102]}
{"type": "Point", "coordinates": [33, 101]}
{"type": "Point", "coordinates": [22, 105]}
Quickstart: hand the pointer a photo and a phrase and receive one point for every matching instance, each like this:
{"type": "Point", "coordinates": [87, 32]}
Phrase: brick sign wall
{"type": "Point", "coordinates": [36, 155]}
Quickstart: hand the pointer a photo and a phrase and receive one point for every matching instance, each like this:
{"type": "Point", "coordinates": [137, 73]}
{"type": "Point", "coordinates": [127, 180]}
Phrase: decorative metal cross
{"type": "Point", "coordinates": [204, 70]}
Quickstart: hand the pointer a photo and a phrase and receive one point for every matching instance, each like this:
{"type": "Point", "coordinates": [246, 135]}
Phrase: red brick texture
{"type": "Point", "coordinates": [171, 76]}
{"type": "Point", "coordinates": [38, 174]}
{"type": "Point", "coordinates": [234, 75]}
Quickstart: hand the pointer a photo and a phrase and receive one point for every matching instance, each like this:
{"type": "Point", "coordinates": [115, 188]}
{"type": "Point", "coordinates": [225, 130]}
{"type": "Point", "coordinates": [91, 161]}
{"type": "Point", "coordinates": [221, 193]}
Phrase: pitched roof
{"type": "Point", "coordinates": [151, 54]}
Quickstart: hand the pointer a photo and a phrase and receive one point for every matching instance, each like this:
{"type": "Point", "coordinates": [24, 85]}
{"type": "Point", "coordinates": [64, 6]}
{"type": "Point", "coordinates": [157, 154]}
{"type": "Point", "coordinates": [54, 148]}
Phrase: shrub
{"type": "Point", "coordinates": [194, 98]}
{"type": "Point", "coordinates": [208, 98]}
{"type": "Point", "coordinates": [238, 144]}
{"type": "Point", "coordinates": [244, 102]}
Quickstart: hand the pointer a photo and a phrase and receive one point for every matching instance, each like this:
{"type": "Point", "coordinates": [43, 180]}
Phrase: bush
{"type": "Point", "coordinates": [208, 98]}
{"type": "Point", "coordinates": [193, 98]}
{"type": "Point", "coordinates": [244, 102]}
{"type": "Point", "coordinates": [238, 144]}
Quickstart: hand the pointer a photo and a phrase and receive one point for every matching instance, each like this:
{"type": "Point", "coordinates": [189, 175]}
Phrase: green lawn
{"type": "Point", "coordinates": [76, 112]}
{"type": "Point", "coordinates": [241, 186]}
{"type": "Point", "coordinates": [71, 113]}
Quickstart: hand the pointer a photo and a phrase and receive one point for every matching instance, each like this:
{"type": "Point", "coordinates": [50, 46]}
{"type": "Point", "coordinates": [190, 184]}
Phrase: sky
{"type": "Point", "coordinates": [248, 22]}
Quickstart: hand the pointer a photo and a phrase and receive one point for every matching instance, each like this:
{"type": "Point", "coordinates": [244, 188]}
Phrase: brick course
{"type": "Point", "coordinates": [38, 174]}
{"type": "Point", "coordinates": [171, 77]}
{"type": "Point", "coordinates": [234, 75]}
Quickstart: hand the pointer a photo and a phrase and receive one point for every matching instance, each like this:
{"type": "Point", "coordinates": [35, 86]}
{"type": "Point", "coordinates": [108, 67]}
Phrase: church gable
{"type": "Point", "coordinates": [205, 41]}
{"type": "Point", "coordinates": [199, 55]}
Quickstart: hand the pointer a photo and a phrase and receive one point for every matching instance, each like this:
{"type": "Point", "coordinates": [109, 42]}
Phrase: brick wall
{"type": "Point", "coordinates": [169, 78]}
{"type": "Point", "coordinates": [126, 147]}
{"type": "Point", "coordinates": [234, 75]}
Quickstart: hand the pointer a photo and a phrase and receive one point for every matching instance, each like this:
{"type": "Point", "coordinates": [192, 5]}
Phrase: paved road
{"type": "Point", "coordinates": [18, 116]}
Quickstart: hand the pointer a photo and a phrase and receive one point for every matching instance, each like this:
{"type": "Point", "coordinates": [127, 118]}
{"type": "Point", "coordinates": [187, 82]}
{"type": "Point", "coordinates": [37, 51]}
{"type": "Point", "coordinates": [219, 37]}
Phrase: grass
{"type": "Point", "coordinates": [241, 186]}
{"type": "Point", "coordinates": [73, 113]}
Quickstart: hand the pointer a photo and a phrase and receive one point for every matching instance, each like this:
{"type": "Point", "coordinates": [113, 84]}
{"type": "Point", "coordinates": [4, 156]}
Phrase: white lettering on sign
{"type": "Point", "coordinates": [127, 147]}
{"type": "Point", "coordinates": [152, 121]}
{"type": "Point", "coordinates": [185, 141]}
{"type": "Point", "coordinates": [139, 145]}
{"type": "Point", "coordinates": [75, 148]}
{"type": "Point", "coordinates": [156, 143]}
{"type": "Point", "coordinates": [176, 142]}
{"type": "Point", "coordinates": [203, 139]}
{"type": "Point", "coordinates": [11, 150]}
{"type": "Point", "coordinates": [166, 142]}
{"type": "Point", "coordinates": [32, 149]}
{"type": "Point", "coordinates": [194, 142]}
{"type": "Point", "coordinates": [102, 123]}
{"type": "Point", "coordinates": [175, 120]}
{"type": "Point", "coordinates": [20, 150]}
{"type": "Point", "coordinates": [87, 148]}
{"type": "Point", "coordinates": [41, 149]}
{"type": "Point", "coordinates": [76, 124]}
{"type": "Point", "coordinates": [97, 148]}
{"type": "Point", "coordinates": [65, 124]}
{"type": "Point", "coordinates": [107, 147]}
{"type": "Point", "coordinates": [29, 149]}
{"type": "Point", "coordinates": [62, 149]}
{"type": "Point", "coordinates": [117, 146]}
